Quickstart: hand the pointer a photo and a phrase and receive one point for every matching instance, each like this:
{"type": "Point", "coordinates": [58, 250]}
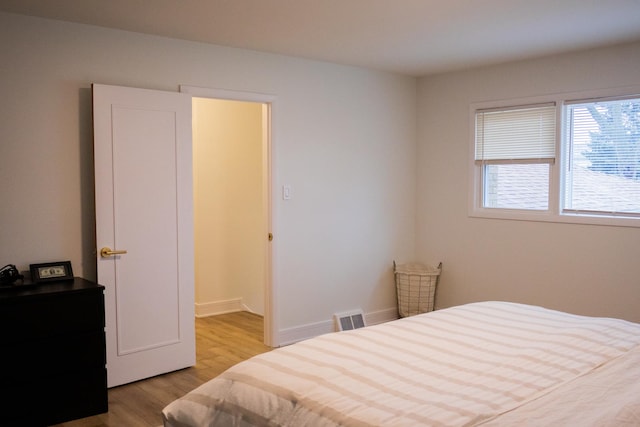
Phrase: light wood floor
{"type": "Point", "coordinates": [221, 341]}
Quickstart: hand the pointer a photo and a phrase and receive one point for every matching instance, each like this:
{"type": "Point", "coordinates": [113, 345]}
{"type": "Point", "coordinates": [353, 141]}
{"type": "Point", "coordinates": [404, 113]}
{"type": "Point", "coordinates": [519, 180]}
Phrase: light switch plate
{"type": "Point", "coordinates": [286, 192]}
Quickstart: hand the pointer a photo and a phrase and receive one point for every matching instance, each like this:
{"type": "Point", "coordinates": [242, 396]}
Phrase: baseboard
{"type": "Point", "coordinates": [219, 307]}
{"type": "Point", "coordinates": [299, 333]}
{"type": "Point", "coordinates": [381, 316]}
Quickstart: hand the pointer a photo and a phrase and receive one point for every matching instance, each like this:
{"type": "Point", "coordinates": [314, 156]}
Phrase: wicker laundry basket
{"type": "Point", "coordinates": [416, 286]}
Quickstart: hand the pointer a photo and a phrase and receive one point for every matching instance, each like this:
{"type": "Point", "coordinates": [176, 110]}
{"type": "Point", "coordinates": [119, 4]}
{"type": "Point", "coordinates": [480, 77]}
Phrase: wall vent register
{"type": "Point", "coordinates": [350, 320]}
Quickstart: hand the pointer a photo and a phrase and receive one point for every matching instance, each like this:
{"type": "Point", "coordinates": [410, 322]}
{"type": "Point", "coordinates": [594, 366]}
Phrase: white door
{"type": "Point", "coordinates": [144, 207]}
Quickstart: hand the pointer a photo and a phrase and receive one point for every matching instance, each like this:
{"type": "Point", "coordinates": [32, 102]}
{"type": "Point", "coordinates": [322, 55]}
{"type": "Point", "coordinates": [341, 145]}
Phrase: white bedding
{"type": "Point", "coordinates": [490, 363]}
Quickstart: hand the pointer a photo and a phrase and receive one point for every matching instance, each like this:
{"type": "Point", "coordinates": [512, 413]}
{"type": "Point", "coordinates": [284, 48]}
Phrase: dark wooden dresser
{"type": "Point", "coordinates": [52, 359]}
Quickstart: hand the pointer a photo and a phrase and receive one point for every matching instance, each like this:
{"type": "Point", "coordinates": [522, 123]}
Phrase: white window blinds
{"type": "Point", "coordinates": [520, 134]}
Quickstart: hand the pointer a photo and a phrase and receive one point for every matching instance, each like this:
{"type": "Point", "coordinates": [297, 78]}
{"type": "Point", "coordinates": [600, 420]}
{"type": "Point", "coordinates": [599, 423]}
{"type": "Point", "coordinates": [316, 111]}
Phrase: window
{"type": "Point", "coordinates": [602, 171]}
{"type": "Point", "coordinates": [515, 148]}
{"type": "Point", "coordinates": [567, 160]}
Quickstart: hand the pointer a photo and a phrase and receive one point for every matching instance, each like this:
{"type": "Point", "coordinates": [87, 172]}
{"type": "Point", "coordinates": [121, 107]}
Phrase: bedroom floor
{"type": "Point", "coordinates": [221, 341]}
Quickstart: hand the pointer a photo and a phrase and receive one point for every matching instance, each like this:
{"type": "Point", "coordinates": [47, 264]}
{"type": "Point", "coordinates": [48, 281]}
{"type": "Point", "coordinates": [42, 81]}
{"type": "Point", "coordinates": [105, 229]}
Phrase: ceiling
{"type": "Point", "coordinates": [412, 37]}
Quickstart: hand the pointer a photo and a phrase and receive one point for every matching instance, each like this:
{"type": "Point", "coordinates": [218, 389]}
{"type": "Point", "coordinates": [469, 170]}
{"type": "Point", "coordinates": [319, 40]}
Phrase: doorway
{"type": "Point", "coordinates": [232, 205]}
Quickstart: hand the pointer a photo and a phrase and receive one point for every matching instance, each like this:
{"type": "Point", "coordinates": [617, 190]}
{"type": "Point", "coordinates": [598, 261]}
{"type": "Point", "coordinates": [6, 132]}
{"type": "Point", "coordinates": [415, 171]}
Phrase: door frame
{"type": "Point", "coordinates": [271, 338]}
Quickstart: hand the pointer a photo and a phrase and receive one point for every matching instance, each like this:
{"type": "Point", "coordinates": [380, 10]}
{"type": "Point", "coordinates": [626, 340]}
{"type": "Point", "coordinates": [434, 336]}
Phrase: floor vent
{"type": "Point", "coordinates": [350, 320]}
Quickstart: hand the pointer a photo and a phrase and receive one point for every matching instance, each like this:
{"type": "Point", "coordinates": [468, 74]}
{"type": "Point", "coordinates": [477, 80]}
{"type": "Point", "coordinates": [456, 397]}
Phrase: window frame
{"type": "Point", "coordinates": [554, 212]}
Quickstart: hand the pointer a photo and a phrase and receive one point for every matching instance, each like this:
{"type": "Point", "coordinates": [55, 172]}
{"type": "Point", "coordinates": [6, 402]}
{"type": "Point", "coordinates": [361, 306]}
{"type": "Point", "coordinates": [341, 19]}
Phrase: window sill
{"type": "Point", "coordinates": [545, 216]}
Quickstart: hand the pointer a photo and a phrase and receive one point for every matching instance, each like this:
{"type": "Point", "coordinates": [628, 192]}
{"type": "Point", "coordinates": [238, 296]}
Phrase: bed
{"type": "Point", "coordinates": [488, 363]}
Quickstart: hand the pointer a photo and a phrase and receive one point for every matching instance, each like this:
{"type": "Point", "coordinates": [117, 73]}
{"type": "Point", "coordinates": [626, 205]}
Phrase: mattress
{"type": "Point", "coordinates": [488, 363]}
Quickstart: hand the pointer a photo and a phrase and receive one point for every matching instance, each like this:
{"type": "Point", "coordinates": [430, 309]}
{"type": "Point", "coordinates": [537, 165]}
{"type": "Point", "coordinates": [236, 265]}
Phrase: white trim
{"type": "Point", "coordinates": [214, 308]}
{"type": "Point", "coordinates": [232, 95]}
{"type": "Point", "coordinates": [310, 330]}
{"type": "Point", "coordinates": [271, 333]}
{"type": "Point", "coordinates": [381, 316]}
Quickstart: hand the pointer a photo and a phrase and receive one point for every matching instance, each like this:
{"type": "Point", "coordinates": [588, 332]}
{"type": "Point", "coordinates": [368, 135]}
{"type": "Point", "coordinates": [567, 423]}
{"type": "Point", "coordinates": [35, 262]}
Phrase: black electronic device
{"type": "Point", "coordinates": [9, 275]}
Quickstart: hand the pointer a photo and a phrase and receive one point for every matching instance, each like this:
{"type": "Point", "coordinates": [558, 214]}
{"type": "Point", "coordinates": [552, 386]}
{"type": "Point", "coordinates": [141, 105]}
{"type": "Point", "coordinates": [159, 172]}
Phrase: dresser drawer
{"type": "Point", "coordinates": [54, 399]}
{"type": "Point", "coordinates": [41, 317]}
{"type": "Point", "coordinates": [39, 358]}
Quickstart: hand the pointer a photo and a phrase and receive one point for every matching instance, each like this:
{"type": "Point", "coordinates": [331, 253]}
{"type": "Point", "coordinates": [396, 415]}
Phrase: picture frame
{"type": "Point", "coordinates": [51, 271]}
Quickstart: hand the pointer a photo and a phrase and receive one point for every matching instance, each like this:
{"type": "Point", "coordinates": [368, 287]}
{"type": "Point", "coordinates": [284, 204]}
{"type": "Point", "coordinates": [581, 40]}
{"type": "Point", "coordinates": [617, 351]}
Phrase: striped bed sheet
{"type": "Point", "coordinates": [488, 363]}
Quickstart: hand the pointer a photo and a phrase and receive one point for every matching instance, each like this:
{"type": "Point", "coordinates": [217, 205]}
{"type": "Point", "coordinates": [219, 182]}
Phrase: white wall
{"type": "Point", "coordinates": [579, 268]}
{"type": "Point", "coordinates": [344, 139]}
{"type": "Point", "coordinates": [229, 216]}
